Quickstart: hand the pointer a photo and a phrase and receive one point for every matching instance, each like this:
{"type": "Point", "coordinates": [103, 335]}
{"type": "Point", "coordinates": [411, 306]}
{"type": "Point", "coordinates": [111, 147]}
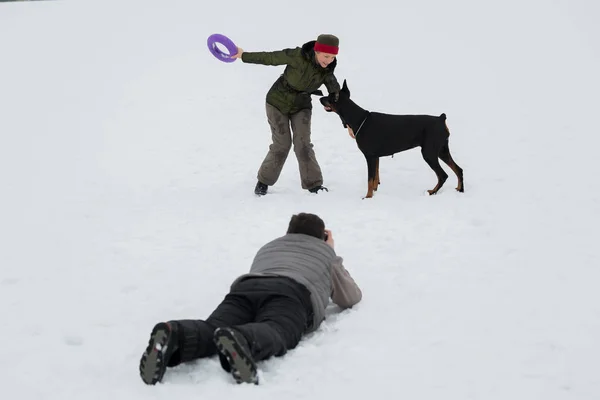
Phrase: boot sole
{"type": "Point", "coordinates": [243, 367]}
{"type": "Point", "coordinates": [152, 363]}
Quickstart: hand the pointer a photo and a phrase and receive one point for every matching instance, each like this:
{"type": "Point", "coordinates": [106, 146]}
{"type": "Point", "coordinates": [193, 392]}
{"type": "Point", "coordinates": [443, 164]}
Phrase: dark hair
{"type": "Point", "coordinates": [308, 224]}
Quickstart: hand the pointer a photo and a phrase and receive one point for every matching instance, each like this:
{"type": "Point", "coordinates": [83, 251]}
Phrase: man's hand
{"type": "Point", "coordinates": [351, 133]}
{"type": "Point", "coordinates": [240, 51]}
{"type": "Point", "coordinates": [330, 240]}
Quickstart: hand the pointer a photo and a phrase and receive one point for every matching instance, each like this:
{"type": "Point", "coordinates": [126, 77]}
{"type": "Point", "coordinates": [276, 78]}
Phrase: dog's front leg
{"type": "Point", "coordinates": [371, 171]}
{"type": "Point", "coordinates": [376, 182]}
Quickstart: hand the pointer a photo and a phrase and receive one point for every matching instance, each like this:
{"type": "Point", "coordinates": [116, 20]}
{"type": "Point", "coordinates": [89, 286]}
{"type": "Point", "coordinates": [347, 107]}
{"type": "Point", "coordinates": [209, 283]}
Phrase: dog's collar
{"type": "Point", "coordinates": [361, 125]}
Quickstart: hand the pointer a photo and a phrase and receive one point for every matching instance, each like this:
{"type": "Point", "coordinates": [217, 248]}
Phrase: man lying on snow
{"type": "Point", "coordinates": [266, 311]}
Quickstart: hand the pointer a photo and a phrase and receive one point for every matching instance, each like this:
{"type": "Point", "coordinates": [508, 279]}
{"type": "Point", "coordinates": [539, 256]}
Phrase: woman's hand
{"type": "Point", "coordinates": [240, 51]}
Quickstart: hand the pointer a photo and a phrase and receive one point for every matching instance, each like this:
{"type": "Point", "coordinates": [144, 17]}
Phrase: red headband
{"type": "Point", "coordinates": [325, 48]}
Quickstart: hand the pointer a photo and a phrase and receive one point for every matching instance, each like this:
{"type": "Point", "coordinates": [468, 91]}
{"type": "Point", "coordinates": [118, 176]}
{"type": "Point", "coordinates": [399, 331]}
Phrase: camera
{"type": "Point", "coordinates": [326, 237]}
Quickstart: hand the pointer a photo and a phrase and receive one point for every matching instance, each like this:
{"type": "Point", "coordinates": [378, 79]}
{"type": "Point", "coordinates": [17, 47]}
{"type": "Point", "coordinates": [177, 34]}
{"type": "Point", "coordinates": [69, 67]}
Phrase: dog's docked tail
{"type": "Point", "coordinates": [443, 118]}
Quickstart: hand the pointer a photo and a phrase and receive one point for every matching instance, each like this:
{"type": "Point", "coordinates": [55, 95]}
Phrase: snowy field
{"type": "Point", "coordinates": [128, 159]}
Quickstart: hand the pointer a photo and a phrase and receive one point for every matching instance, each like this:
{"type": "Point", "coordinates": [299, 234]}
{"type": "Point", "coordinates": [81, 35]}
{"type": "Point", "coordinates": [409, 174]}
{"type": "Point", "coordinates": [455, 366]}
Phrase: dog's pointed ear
{"type": "Point", "coordinates": [345, 88]}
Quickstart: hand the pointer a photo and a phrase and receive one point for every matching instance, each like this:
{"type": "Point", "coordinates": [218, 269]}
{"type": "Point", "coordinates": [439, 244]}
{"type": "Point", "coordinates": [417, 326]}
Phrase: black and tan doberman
{"type": "Point", "coordinates": [380, 135]}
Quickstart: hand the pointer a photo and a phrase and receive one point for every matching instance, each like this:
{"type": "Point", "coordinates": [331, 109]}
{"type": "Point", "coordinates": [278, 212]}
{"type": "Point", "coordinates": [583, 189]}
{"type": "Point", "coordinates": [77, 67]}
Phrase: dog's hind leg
{"type": "Point", "coordinates": [430, 155]}
{"type": "Point", "coordinates": [371, 172]}
{"type": "Point", "coordinates": [447, 158]}
{"type": "Point", "coordinates": [377, 181]}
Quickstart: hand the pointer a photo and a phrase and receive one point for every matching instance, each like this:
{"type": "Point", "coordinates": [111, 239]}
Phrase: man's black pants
{"type": "Point", "coordinates": [272, 313]}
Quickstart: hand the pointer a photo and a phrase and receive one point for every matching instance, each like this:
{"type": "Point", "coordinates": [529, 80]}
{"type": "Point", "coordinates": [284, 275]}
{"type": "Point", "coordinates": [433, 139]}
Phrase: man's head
{"type": "Point", "coordinates": [308, 224]}
{"type": "Point", "coordinates": [326, 48]}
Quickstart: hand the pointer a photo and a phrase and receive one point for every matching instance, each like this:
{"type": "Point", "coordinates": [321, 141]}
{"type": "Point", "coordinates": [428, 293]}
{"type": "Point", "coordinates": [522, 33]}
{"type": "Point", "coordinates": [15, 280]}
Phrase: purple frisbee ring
{"type": "Point", "coordinates": [225, 41]}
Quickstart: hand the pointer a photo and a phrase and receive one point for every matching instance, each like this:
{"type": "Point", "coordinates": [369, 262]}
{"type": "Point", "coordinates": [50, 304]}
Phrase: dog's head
{"type": "Point", "coordinates": [335, 101]}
